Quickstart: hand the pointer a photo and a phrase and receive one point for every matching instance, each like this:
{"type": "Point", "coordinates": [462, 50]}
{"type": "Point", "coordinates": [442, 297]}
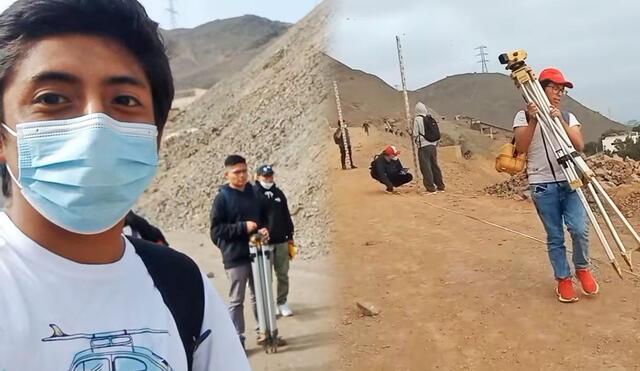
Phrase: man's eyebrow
{"type": "Point", "coordinates": [125, 80]}
{"type": "Point", "coordinates": [47, 76]}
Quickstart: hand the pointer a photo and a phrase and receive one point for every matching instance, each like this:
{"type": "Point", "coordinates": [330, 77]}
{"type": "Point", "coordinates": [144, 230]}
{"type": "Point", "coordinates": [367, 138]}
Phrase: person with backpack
{"type": "Point", "coordinates": [388, 170]}
{"type": "Point", "coordinates": [236, 214]}
{"type": "Point", "coordinates": [139, 227]}
{"type": "Point", "coordinates": [337, 138]}
{"type": "Point", "coordinates": [280, 226]}
{"type": "Point", "coordinates": [426, 134]}
{"type": "Point", "coordinates": [86, 91]}
{"type": "Point", "coordinates": [555, 201]}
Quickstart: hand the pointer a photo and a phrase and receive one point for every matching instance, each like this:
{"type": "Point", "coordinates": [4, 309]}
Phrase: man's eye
{"type": "Point", "coordinates": [127, 100]}
{"type": "Point", "coordinates": [51, 99]}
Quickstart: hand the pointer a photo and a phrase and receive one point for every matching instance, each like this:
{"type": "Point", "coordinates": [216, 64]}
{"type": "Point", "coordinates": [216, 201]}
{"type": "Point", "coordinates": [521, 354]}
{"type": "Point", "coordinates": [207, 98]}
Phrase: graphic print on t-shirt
{"type": "Point", "coordinates": [112, 351]}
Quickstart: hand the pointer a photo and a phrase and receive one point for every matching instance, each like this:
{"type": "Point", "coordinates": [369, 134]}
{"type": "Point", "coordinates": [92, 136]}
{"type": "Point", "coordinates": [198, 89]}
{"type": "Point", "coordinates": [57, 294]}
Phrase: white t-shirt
{"type": "Point", "coordinates": [56, 314]}
{"type": "Point", "coordinates": [538, 159]}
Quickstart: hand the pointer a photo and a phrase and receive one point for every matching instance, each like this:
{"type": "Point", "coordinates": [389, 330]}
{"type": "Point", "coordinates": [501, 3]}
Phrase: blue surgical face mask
{"type": "Point", "coordinates": [85, 174]}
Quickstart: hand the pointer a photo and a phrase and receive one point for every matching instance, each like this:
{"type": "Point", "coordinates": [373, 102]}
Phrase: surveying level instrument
{"type": "Point", "coordinates": [573, 166]}
{"type": "Point", "coordinates": [261, 262]}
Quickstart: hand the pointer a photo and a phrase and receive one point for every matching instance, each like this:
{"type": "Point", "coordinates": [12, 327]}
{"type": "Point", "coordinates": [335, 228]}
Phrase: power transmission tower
{"type": "Point", "coordinates": [173, 13]}
{"type": "Point", "coordinates": [483, 58]}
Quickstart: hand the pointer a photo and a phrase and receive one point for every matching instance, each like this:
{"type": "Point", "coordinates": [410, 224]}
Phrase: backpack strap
{"type": "Point", "coordinates": [179, 281]}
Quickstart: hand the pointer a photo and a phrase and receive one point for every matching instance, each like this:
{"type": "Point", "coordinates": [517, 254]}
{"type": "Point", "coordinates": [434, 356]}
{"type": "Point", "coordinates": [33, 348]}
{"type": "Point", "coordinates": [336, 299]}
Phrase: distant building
{"type": "Point", "coordinates": [609, 142]}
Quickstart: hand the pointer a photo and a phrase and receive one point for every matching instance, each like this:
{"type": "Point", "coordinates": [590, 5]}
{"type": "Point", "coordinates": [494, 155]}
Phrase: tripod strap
{"type": "Point", "coordinates": [546, 151]}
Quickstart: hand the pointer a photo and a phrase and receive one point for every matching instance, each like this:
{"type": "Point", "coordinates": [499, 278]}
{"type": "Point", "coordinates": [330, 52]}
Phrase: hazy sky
{"type": "Point", "coordinates": [192, 13]}
{"type": "Point", "coordinates": [595, 43]}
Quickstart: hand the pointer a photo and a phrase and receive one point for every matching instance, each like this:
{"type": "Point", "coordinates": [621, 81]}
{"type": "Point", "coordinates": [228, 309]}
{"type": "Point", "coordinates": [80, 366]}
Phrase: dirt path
{"type": "Point", "coordinates": [309, 333]}
{"type": "Point", "coordinates": [457, 294]}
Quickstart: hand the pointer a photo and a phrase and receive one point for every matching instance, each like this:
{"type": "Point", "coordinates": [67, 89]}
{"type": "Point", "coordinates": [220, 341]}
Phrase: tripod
{"type": "Point", "coordinates": [574, 167]}
{"type": "Point", "coordinates": [261, 262]}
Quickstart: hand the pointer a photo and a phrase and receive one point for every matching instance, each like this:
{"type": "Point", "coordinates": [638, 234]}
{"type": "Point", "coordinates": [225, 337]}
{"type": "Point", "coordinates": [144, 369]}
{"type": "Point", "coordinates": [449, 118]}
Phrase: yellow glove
{"type": "Point", "coordinates": [292, 250]}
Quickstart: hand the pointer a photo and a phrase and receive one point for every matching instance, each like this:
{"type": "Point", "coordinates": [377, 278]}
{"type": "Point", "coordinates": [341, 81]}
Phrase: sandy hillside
{"type": "Point", "coordinates": [204, 55]}
{"type": "Point", "coordinates": [270, 112]}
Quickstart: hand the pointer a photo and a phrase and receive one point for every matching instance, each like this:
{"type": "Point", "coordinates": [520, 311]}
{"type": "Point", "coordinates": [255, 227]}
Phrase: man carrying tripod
{"type": "Point", "coordinates": [552, 195]}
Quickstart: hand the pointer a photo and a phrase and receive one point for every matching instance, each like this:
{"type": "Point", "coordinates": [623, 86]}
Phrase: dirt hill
{"type": "Point", "coordinates": [202, 56]}
{"type": "Point", "coordinates": [363, 96]}
{"type": "Point", "coordinates": [489, 97]}
{"type": "Point", "coordinates": [270, 112]}
{"type": "Point", "coordinates": [493, 98]}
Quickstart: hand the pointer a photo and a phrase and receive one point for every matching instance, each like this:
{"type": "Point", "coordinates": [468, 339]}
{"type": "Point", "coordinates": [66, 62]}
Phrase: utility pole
{"type": "Point", "coordinates": [406, 108]}
{"type": "Point", "coordinates": [483, 58]}
{"type": "Point", "coordinates": [173, 13]}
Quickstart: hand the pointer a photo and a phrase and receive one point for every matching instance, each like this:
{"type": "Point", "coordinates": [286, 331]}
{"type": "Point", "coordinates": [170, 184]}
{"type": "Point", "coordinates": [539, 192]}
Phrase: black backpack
{"type": "Point", "coordinates": [431, 129]}
{"type": "Point", "coordinates": [337, 137]}
{"type": "Point", "coordinates": [372, 167]}
{"type": "Point", "coordinates": [179, 281]}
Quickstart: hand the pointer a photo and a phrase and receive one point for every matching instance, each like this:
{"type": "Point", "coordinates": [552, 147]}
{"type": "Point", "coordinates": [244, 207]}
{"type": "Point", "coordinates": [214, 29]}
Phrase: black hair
{"type": "Point", "coordinates": [124, 21]}
{"type": "Point", "coordinates": [545, 83]}
{"type": "Point", "coordinates": [6, 180]}
{"type": "Point", "coordinates": [233, 160]}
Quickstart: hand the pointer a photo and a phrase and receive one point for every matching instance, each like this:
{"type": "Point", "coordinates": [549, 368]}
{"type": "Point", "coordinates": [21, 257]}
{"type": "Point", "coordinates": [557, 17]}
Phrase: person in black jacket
{"type": "Point", "coordinates": [235, 215]}
{"type": "Point", "coordinates": [141, 228]}
{"type": "Point", "coordinates": [388, 170]}
{"type": "Point", "coordinates": [280, 228]}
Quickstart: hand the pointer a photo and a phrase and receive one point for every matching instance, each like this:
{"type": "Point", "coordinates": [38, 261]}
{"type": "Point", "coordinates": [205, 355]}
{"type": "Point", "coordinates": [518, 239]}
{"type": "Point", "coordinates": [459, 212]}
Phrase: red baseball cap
{"type": "Point", "coordinates": [554, 75]}
{"type": "Point", "coordinates": [391, 151]}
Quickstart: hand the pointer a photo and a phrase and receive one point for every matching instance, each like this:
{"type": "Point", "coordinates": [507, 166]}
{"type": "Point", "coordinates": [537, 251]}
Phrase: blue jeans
{"type": "Point", "coordinates": [557, 203]}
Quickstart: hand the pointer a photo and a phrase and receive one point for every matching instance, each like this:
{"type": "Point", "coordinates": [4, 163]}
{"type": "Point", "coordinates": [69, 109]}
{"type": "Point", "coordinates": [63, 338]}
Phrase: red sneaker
{"type": "Point", "coordinates": [589, 284]}
{"type": "Point", "coordinates": [565, 291]}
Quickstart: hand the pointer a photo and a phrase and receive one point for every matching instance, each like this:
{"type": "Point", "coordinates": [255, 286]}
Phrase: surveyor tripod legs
{"type": "Point", "coordinates": [261, 265]}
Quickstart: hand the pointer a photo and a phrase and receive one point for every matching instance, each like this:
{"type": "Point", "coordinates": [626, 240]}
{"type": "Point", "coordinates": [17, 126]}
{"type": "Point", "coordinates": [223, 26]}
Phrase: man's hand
{"type": "Point", "coordinates": [251, 226]}
{"type": "Point", "coordinates": [532, 111]}
{"type": "Point", "coordinates": [265, 233]}
{"type": "Point", "coordinates": [556, 113]}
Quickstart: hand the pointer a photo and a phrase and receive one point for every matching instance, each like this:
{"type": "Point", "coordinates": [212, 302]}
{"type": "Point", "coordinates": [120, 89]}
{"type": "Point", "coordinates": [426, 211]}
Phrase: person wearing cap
{"type": "Point", "coordinates": [278, 220]}
{"type": "Point", "coordinates": [554, 199]}
{"type": "Point", "coordinates": [427, 149]}
{"type": "Point", "coordinates": [388, 170]}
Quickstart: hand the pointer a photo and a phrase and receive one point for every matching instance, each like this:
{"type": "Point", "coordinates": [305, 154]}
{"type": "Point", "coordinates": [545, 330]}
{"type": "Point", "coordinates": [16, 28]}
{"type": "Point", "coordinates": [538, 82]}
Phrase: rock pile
{"type": "Point", "coordinates": [610, 171]}
{"type": "Point", "coordinates": [615, 171]}
{"type": "Point", "coordinates": [516, 187]}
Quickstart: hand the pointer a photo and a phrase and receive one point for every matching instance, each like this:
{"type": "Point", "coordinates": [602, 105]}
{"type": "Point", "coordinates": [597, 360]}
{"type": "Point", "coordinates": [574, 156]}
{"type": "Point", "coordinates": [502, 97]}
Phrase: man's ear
{"type": "Point", "coordinates": [3, 158]}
